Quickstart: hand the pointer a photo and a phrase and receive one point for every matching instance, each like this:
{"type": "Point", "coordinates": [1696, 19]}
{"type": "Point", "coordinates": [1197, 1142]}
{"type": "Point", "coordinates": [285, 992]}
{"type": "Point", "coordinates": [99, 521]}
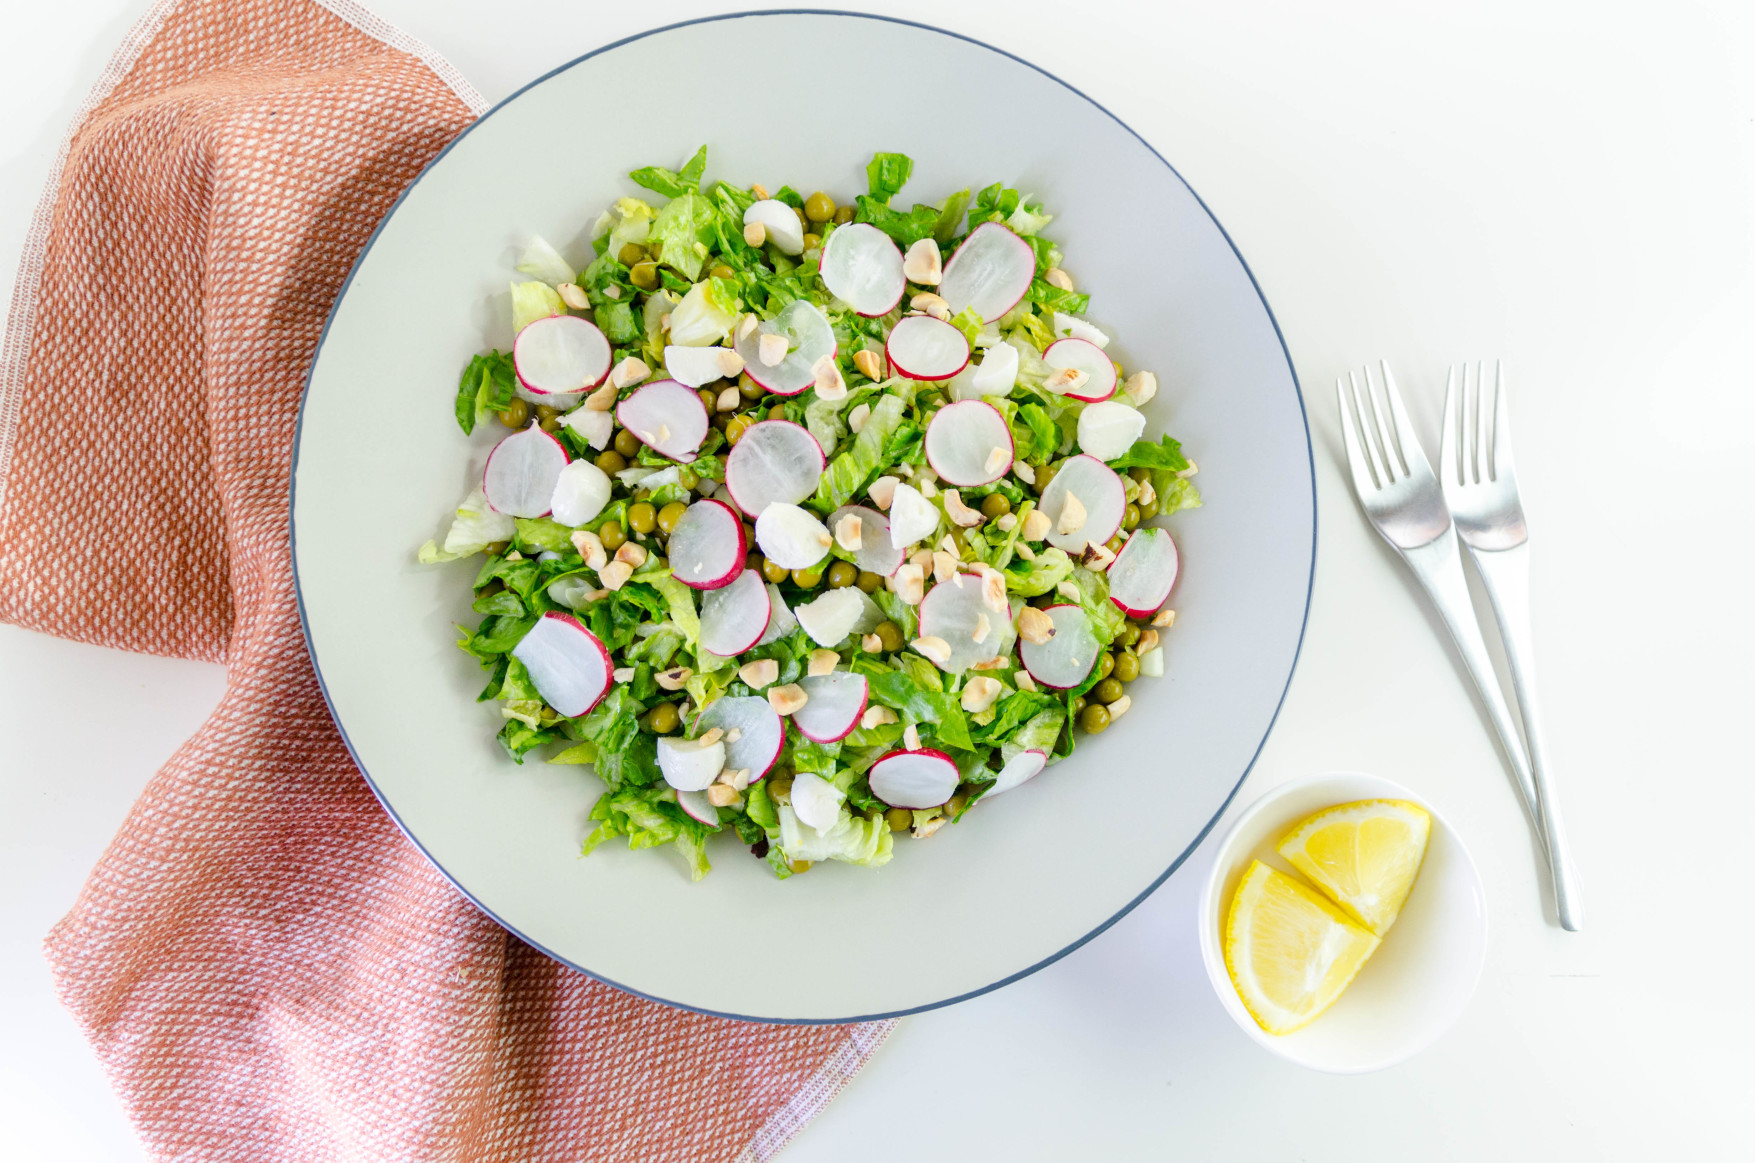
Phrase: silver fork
{"type": "Point", "coordinates": [1480, 488]}
{"type": "Point", "coordinates": [1405, 504]}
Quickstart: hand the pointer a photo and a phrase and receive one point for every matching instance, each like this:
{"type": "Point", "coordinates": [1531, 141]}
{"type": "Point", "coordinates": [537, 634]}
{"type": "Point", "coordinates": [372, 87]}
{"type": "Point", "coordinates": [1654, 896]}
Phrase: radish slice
{"type": "Point", "coordinates": [689, 764]}
{"type": "Point", "coordinates": [522, 471]}
{"type": "Point", "coordinates": [781, 223]}
{"type": "Point", "coordinates": [760, 732]}
{"type": "Point", "coordinates": [568, 664]}
{"type": "Point", "coordinates": [667, 417]}
{"type": "Point", "coordinates": [914, 779]}
{"type": "Point", "coordinates": [875, 553]}
{"type": "Point", "coordinates": [593, 427]}
{"type": "Point", "coordinates": [696, 804]}
{"type": "Point", "coordinates": [775, 460]}
{"type": "Point", "coordinates": [1098, 491]}
{"type": "Point", "coordinates": [1065, 660]}
{"type": "Point", "coordinates": [990, 272]}
{"type": "Point", "coordinates": [733, 617]}
{"type": "Point", "coordinates": [561, 355]}
{"type": "Point", "coordinates": [816, 801]}
{"type": "Point", "coordinates": [581, 492]}
{"type": "Point", "coordinates": [1072, 325]}
{"type": "Point", "coordinates": [1108, 430]}
{"type": "Point", "coordinates": [792, 538]}
{"type": "Point", "coordinates": [862, 267]}
{"type": "Point", "coordinates": [808, 339]}
{"type": "Point", "coordinates": [924, 348]}
{"type": "Point", "coordinates": [956, 611]}
{"type": "Point", "coordinates": [912, 517]}
{"type": "Point", "coordinates": [1143, 572]}
{"type": "Point", "coordinates": [707, 546]}
{"type": "Point", "coordinates": [1019, 769]}
{"type": "Point", "coordinates": [695, 366]}
{"type": "Point", "coordinates": [780, 622]}
{"type": "Point", "coordinates": [832, 707]}
{"type": "Point", "coordinates": [1088, 358]}
{"type": "Point", "coordinates": [997, 373]}
{"type": "Point", "coordinates": [831, 618]}
{"type": "Point", "coordinates": [969, 443]}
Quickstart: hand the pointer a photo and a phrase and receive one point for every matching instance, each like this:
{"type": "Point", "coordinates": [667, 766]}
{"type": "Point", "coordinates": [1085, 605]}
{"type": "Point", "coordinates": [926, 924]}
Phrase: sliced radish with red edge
{"type": "Point", "coordinates": [862, 267]}
{"type": "Point", "coordinates": [733, 617]}
{"type": "Point", "coordinates": [568, 665]}
{"type": "Point", "coordinates": [561, 355]}
{"type": "Point", "coordinates": [969, 443]}
{"type": "Point", "coordinates": [689, 764]}
{"type": "Point", "coordinates": [780, 622]}
{"type": "Point", "coordinates": [761, 734]}
{"type": "Point", "coordinates": [790, 537]}
{"type": "Point", "coordinates": [990, 272]}
{"type": "Point", "coordinates": [697, 805]}
{"type": "Point", "coordinates": [924, 348]}
{"type": "Point", "coordinates": [834, 702]}
{"type": "Point", "coordinates": [707, 548]}
{"type": "Point", "coordinates": [808, 339]}
{"type": "Point", "coordinates": [1142, 574]}
{"type": "Point", "coordinates": [668, 417]}
{"type": "Point", "coordinates": [914, 779]}
{"type": "Point", "coordinates": [522, 471]}
{"type": "Point", "coordinates": [1066, 659]}
{"type": "Point", "coordinates": [775, 460]}
{"type": "Point", "coordinates": [1019, 769]}
{"type": "Point", "coordinates": [1087, 357]}
{"type": "Point", "coordinates": [954, 610]}
{"type": "Point", "coordinates": [875, 553]}
{"type": "Point", "coordinates": [1100, 493]}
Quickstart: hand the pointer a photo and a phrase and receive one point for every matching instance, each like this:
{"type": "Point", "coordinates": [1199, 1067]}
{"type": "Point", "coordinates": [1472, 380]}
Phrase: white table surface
{"type": "Point", "coordinates": [1569, 186]}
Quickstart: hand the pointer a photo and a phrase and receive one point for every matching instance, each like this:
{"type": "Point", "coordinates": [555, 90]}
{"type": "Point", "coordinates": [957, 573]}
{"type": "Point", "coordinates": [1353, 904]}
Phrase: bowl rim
{"type": "Point", "coordinates": [347, 742]}
{"type": "Point", "coordinates": [1213, 954]}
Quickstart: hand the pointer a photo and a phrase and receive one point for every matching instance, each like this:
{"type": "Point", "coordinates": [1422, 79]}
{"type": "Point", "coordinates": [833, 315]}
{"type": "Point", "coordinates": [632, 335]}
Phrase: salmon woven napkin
{"type": "Point", "coordinates": [267, 968]}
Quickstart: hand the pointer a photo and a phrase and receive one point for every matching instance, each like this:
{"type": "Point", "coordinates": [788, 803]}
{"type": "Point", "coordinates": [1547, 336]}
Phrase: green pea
{"type": "Point", "coordinates": [1094, 720]}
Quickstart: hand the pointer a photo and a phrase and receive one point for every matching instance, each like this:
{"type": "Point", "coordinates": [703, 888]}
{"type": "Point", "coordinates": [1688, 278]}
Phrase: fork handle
{"type": "Point", "coordinates": [1438, 565]}
{"type": "Point", "coordinates": [1505, 573]}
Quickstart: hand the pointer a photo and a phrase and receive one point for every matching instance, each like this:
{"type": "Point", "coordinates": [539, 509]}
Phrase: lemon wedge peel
{"type": "Point", "coordinates": [1364, 855]}
{"type": "Point", "coordinates": [1290, 952]}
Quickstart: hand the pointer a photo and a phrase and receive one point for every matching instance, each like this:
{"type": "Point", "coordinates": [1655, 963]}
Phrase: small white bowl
{"type": "Point", "coordinates": [1420, 979]}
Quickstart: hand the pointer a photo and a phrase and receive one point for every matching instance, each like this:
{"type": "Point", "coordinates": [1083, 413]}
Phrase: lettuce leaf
{"type": "Point", "coordinates": [544, 262]}
{"type": "Point", "coordinates": [1033, 578]}
{"type": "Point", "coordinates": [1165, 455]}
{"type": "Point", "coordinates": [904, 229]}
{"type": "Point", "coordinates": [681, 235]}
{"type": "Point", "coordinates": [473, 529]}
{"type": "Point", "coordinates": [849, 473]}
{"type": "Point", "coordinates": [705, 315]}
{"type": "Point", "coordinates": [532, 301]}
{"type": "Point", "coordinates": [853, 840]}
{"type": "Point", "coordinates": [673, 184]}
{"type": "Point", "coordinates": [887, 173]}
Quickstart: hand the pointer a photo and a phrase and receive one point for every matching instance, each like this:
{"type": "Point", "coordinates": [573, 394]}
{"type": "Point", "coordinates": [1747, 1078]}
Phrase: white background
{"type": "Point", "coordinates": [1569, 186]}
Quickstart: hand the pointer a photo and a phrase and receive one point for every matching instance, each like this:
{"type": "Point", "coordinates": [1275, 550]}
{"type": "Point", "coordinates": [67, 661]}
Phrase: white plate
{"type": "Point", "coordinates": [380, 461]}
{"type": "Point", "coordinates": [1421, 978]}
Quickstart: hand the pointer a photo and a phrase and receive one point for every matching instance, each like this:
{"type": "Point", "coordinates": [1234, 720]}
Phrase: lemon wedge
{"type": "Point", "coordinates": [1364, 855]}
{"type": "Point", "coordinates": [1290, 952]}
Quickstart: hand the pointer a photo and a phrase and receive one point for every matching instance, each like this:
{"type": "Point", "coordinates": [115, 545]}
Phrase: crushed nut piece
{"type": "Point", "coordinates": [1023, 550]}
{"type": "Point", "coordinates": [996, 459]}
{"type": "Point", "coordinates": [822, 662]}
{"type": "Point", "coordinates": [869, 363]}
{"type": "Point", "coordinates": [711, 736]}
{"type": "Point", "coordinates": [1007, 522]}
{"type": "Point", "coordinates": [615, 574]}
{"type": "Point", "coordinates": [994, 663]}
{"type": "Point", "coordinates": [824, 539]}
{"type": "Point", "coordinates": [730, 363]}
{"type": "Point", "coordinates": [992, 588]}
{"type": "Point", "coordinates": [675, 678]}
{"type": "Point", "coordinates": [787, 699]}
{"type": "Point", "coordinates": [922, 558]}
{"type": "Point", "coordinates": [1067, 379]}
{"type": "Point", "coordinates": [1140, 387]}
{"type": "Point", "coordinates": [877, 716]}
{"type": "Point", "coordinates": [1119, 707]}
{"type": "Point", "coordinates": [911, 737]}
{"type": "Point", "coordinates": [932, 304]}
{"type": "Point", "coordinates": [1164, 619]}
{"type": "Point", "coordinates": [760, 673]}
{"type": "Point", "coordinates": [612, 292]}
{"type": "Point", "coordinates": [623, 674]}
{"type": "Point", "coordinates": [1058, 278]}
{"type": "Point", "coordinates": [949, 545]}
{"type": "Point", "coordinates": [1148, 642]}
{"type": "Point", "coordinates": [733, 735]}
{"type": "Point", "coordinates": [603, 399]}
{"type": "Point", "coordinates": [923, 264]}
{"type": "Point", "coordinates": [629, 371]}
{"type": "Point", "coordinates": [771, 350]}
{"type": "Point", "coordinates": [911, 584]}
{"type": "Point", "coordinates": [856, 419]}
{"type": "Point", "coordinates": [736, 778]}
{"type": "Point", "coordinates": [1072, 515]}
{"type": "Point", "coordinates": [982, 629]}
{"type": "Point", "coordinates": [663, 434]}
{"type": "Point", "coordinates": [934, 648]}
{"type": "Point", "coordinates": [872, 644]}
{"type": "Point", "coordinates": [922, 831]}
{"type": "Point", "coordinates": [1024, 681]}
{"type": "Point", "coordinates": [944, 566]}
{"type": "Point", "coordinates": [883, 491]}
{"type": "Point", "coordinates": [958, 512]}
{"type": "Point", "coordinates": [1037, 525]}
{"type": "Point", "coordinates": [927, 488]}
{"type": "Point", "coordinates": [747, 325]}
{"type": "Point", "coordinates": [722, 795]}
{"type": "Point", "coordinates": [664, 321]}
{"type": "Point", "coordinates": [1024, 472]}
{"type": "Point", "coordinates": [850, 532]}
{"type": "Point", "coordinates": [1034, 625]}
{"type": "Point", "coordinates": [634, 555]}
{"type": "Point", "coordinates": [760, 191]}
{"type": "Point", "coordinates": [574, 296]}
{"type": "Point", "coordinates": [728, 400]}
{"type": "Point", "coordinates": [590, 547]}
{"type": "Point", "coordinates": [1189, 471]}
{"type": "Point", "coordinates": [1096, 557]}
{"type": "Point", "coordinates": [754, 234]}
{"type": "Point", "coordinates": [830, 384]}
{"type": "Point", "coordinates": [979, 693]}
{"type": "Point", "coordinates": [1068, 590]}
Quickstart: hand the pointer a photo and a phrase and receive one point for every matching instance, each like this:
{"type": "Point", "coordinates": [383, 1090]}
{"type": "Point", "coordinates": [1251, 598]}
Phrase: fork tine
{"type": "Point", "coordinates": [1469, 420]}
{"type": "Point", "coordinates": [1380, 413]}
{"type": "Point", "coordinates": [1380, 466]}
{"type": "Point", "coordinates": [1501, 461]}
{"type": "Point", "coordinates": [1483, 426]}
{"type": "Point", "coordinates": [1413, 456]}
{"type": "Point", "coordinates": [1364, 483]}
{"type": "Point", "coordinates": [1449, 448]}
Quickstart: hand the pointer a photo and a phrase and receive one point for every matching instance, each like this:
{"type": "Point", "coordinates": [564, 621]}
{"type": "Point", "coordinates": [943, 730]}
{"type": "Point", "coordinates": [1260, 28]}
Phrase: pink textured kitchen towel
{"type": "Point", "coordinates": [267, 968]}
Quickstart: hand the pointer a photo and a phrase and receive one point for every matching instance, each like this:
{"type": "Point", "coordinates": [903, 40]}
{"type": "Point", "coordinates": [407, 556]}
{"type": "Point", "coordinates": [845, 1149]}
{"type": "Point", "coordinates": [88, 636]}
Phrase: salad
{"type": "Point", "coordinates": [811, 523]}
